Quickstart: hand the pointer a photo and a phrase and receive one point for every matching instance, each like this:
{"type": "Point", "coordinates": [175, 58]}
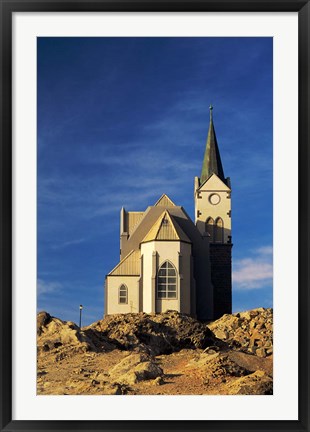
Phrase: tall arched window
{"type": "Point", "coordinates": [123, 294]}
{"type": "Point", "coordinates": [166, 281]}
{"type": "Point", "coordinates": [219, 230]}
{"type": "Point", "coordinates": [210, 228]}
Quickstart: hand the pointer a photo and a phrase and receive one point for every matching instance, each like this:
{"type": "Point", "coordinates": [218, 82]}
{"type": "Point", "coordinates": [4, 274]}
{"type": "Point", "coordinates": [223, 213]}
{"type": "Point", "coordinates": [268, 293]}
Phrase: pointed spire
{"type": "Point", "coordinates": [212, 163]}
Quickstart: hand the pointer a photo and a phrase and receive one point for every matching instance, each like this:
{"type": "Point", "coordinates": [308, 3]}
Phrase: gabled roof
{"type": "Point", "coordinates": [166, 228]}
{"type": "Point", "coordinates": [151, 215]}
{"type": "Point", "coordinates": [212, 163]}
{"type": "Point", "coordinates": [129, 266]}
{"type": "Point", "coordinates": [164, 201]}
{"type": "Point", "coordinates": [132, 220]}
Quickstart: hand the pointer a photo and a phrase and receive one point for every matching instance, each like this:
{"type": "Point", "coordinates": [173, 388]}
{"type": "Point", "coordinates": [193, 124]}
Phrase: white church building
{"type": "Point", "coordinates": [169, 262]}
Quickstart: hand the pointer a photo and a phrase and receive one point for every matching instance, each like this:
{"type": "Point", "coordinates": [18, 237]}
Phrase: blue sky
{"type": "Point", "coordinates": [123, 120]}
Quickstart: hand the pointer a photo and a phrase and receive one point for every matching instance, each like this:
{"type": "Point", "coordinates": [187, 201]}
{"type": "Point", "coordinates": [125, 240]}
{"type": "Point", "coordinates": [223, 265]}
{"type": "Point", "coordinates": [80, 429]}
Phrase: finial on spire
{"type": "Point", "coordinates": [211, 109]}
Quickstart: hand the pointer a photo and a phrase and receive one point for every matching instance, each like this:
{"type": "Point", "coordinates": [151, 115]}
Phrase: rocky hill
{"type": "Point", "coordinates": [249, 331]}
{"type": "Point", "coordinates": [168, 353]}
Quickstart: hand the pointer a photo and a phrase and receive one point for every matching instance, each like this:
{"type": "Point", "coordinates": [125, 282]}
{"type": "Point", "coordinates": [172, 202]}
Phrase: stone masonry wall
{"type": "Point", "coordinates": [220, 258]}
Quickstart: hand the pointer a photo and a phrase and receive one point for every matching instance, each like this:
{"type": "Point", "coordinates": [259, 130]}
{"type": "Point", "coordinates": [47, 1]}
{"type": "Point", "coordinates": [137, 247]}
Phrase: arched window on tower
{"type": "Point", "coordinates": [123, 294]}
{"type": "Point", "coordinates": [210, 228]}
{"type": "Point", "coordinates": [166, 281]}
{"type": "Point", "coordinates": [219, 230]}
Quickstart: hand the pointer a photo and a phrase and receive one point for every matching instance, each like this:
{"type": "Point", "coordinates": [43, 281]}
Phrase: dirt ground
{"type": "Point", "coordinates": [183, 373]}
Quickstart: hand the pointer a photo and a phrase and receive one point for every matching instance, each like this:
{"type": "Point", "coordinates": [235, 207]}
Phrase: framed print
{"type": "Point", "coordinates": [154, 215]}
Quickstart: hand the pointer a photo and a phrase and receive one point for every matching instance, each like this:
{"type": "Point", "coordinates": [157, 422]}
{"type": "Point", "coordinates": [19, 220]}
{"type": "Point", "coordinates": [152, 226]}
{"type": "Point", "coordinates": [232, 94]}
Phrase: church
{"type": "Point", "coordinates": [169, 262]}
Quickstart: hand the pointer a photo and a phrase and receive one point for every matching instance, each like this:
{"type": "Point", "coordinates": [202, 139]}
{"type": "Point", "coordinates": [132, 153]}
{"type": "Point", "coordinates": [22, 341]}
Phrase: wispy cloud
{"type": "Point", "coordinates": [45, 287]}
{"type": "Point", "coordinates": [88, 198]}
{"type": "Point", "coordinates": [143, 176]}
{"type": "Point", "coordinates": [67, 243]}
{"type": "Point", "coordinates": [254, 272]}
{"type": "Point", "coordinates": [161, 154]}
{"type": "Point", "coordinates": [265, 250]}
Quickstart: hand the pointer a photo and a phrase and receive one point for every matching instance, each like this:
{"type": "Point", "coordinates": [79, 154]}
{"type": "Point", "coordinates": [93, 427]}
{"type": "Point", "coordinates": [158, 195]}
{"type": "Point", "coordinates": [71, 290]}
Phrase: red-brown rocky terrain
{"type": "Point", "coordinates": [159, 354]}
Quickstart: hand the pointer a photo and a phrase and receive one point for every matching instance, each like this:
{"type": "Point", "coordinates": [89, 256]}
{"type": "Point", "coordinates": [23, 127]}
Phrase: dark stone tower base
{"type": "Point", "coordinates": [220, 260]}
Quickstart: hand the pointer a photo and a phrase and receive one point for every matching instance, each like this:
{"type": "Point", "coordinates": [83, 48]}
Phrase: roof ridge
{"type": "Point", "coordinates": [162, 197]}
{"type": "Point", "coordinates": [159, 219]}
{"type": "Point", "coordinates": [172, 223]}
{"type": "Point", "coordinates": [177, 227]}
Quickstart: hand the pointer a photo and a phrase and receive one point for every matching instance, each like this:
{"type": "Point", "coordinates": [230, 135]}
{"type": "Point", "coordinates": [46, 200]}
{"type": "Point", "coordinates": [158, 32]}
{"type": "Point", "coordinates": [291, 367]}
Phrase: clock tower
{"type": "Point", "coordinates": [213, 216]}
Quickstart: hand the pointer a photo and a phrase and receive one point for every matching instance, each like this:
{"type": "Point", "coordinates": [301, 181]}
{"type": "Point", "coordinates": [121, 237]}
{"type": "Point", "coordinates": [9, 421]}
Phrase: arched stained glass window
{"type": "Point", "coordinates": [210, 228]}
{"type": "Point", "coordinates": [123, 294]}
{"type": "Point", "coordinates": [166, 281]}
{"type": "Point", "coordinates": [219, 230]}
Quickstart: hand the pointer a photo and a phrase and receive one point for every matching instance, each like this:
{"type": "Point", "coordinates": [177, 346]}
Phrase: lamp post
{"type": "Point", "coordinates": [81, 308]}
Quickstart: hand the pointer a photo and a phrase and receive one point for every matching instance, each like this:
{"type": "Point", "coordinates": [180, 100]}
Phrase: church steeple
{"type": "Point", "coordinates": [212, 194]}
{"type": "Point", "coordinates": [212, 163]}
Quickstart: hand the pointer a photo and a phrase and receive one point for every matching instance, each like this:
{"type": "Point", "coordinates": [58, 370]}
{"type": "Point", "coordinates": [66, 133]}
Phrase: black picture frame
{"type": "Point", "coordinates": [8, 7]}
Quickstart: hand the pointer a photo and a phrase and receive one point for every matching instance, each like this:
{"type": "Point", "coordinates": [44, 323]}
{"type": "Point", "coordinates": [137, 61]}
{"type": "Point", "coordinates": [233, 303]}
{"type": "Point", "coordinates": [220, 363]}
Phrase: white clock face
{"type": "Point", "coordinates": [214, 199]}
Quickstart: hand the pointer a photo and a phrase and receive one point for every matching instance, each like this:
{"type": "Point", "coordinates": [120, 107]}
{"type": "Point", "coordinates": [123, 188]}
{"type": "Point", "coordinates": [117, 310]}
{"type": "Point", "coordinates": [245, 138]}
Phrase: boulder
{"type": "Point", "coordinates": [135, 368]}
{"type": "Point", "coordinates": [257, 383]}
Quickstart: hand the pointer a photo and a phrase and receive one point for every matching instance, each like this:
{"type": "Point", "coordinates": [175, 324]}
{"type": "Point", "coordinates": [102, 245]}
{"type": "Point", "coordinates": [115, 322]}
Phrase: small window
{"type": "Point", "coordinates": [210, 228]}
{"type": "Point", "coordinates": [166, 281]}
{"type": "Point", "coordinates": [219, 230]}
{"type": "Point", "coordinates": [123, 294]}
{"type": "Point", "coordinates": [165, 221]}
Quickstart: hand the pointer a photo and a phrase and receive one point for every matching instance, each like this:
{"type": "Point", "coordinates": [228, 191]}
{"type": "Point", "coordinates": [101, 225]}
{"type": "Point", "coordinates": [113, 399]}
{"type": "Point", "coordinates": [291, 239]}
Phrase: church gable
{"type": "Point", "coordinates": [165, 228]}
{"type": "Point", "coordinates": [151, 215]}
{"type": "Point", "coordinates": [164, 201]}
{"type": "Point", "coordinates": [133, 219]}
{"type": "Point", "coordinates": [213, 183]}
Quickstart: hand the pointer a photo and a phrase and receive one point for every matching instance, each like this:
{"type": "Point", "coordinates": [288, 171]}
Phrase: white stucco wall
{"type": "Point", "coordinates": [166, 250]}
{"type": "Point", "coordinates": [112, 298]}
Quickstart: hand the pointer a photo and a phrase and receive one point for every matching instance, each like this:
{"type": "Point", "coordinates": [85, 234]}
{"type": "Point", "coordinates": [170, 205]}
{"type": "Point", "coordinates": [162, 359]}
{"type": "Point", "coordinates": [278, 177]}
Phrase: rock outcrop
{"type": "Point", "coordinates": [55, 333]}
{"type": "Point", "coordinates": [155, 334]}
{"type": "Point", "coordinates": [168, 353]}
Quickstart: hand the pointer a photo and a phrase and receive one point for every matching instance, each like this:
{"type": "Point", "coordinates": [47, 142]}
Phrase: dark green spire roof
{"type": "Point", "coordinates": [212, 163]}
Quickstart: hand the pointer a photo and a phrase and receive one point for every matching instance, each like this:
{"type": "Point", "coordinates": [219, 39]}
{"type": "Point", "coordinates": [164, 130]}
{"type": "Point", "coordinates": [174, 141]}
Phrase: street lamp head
{"type": "Point", "coordinates": [81, 307]}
